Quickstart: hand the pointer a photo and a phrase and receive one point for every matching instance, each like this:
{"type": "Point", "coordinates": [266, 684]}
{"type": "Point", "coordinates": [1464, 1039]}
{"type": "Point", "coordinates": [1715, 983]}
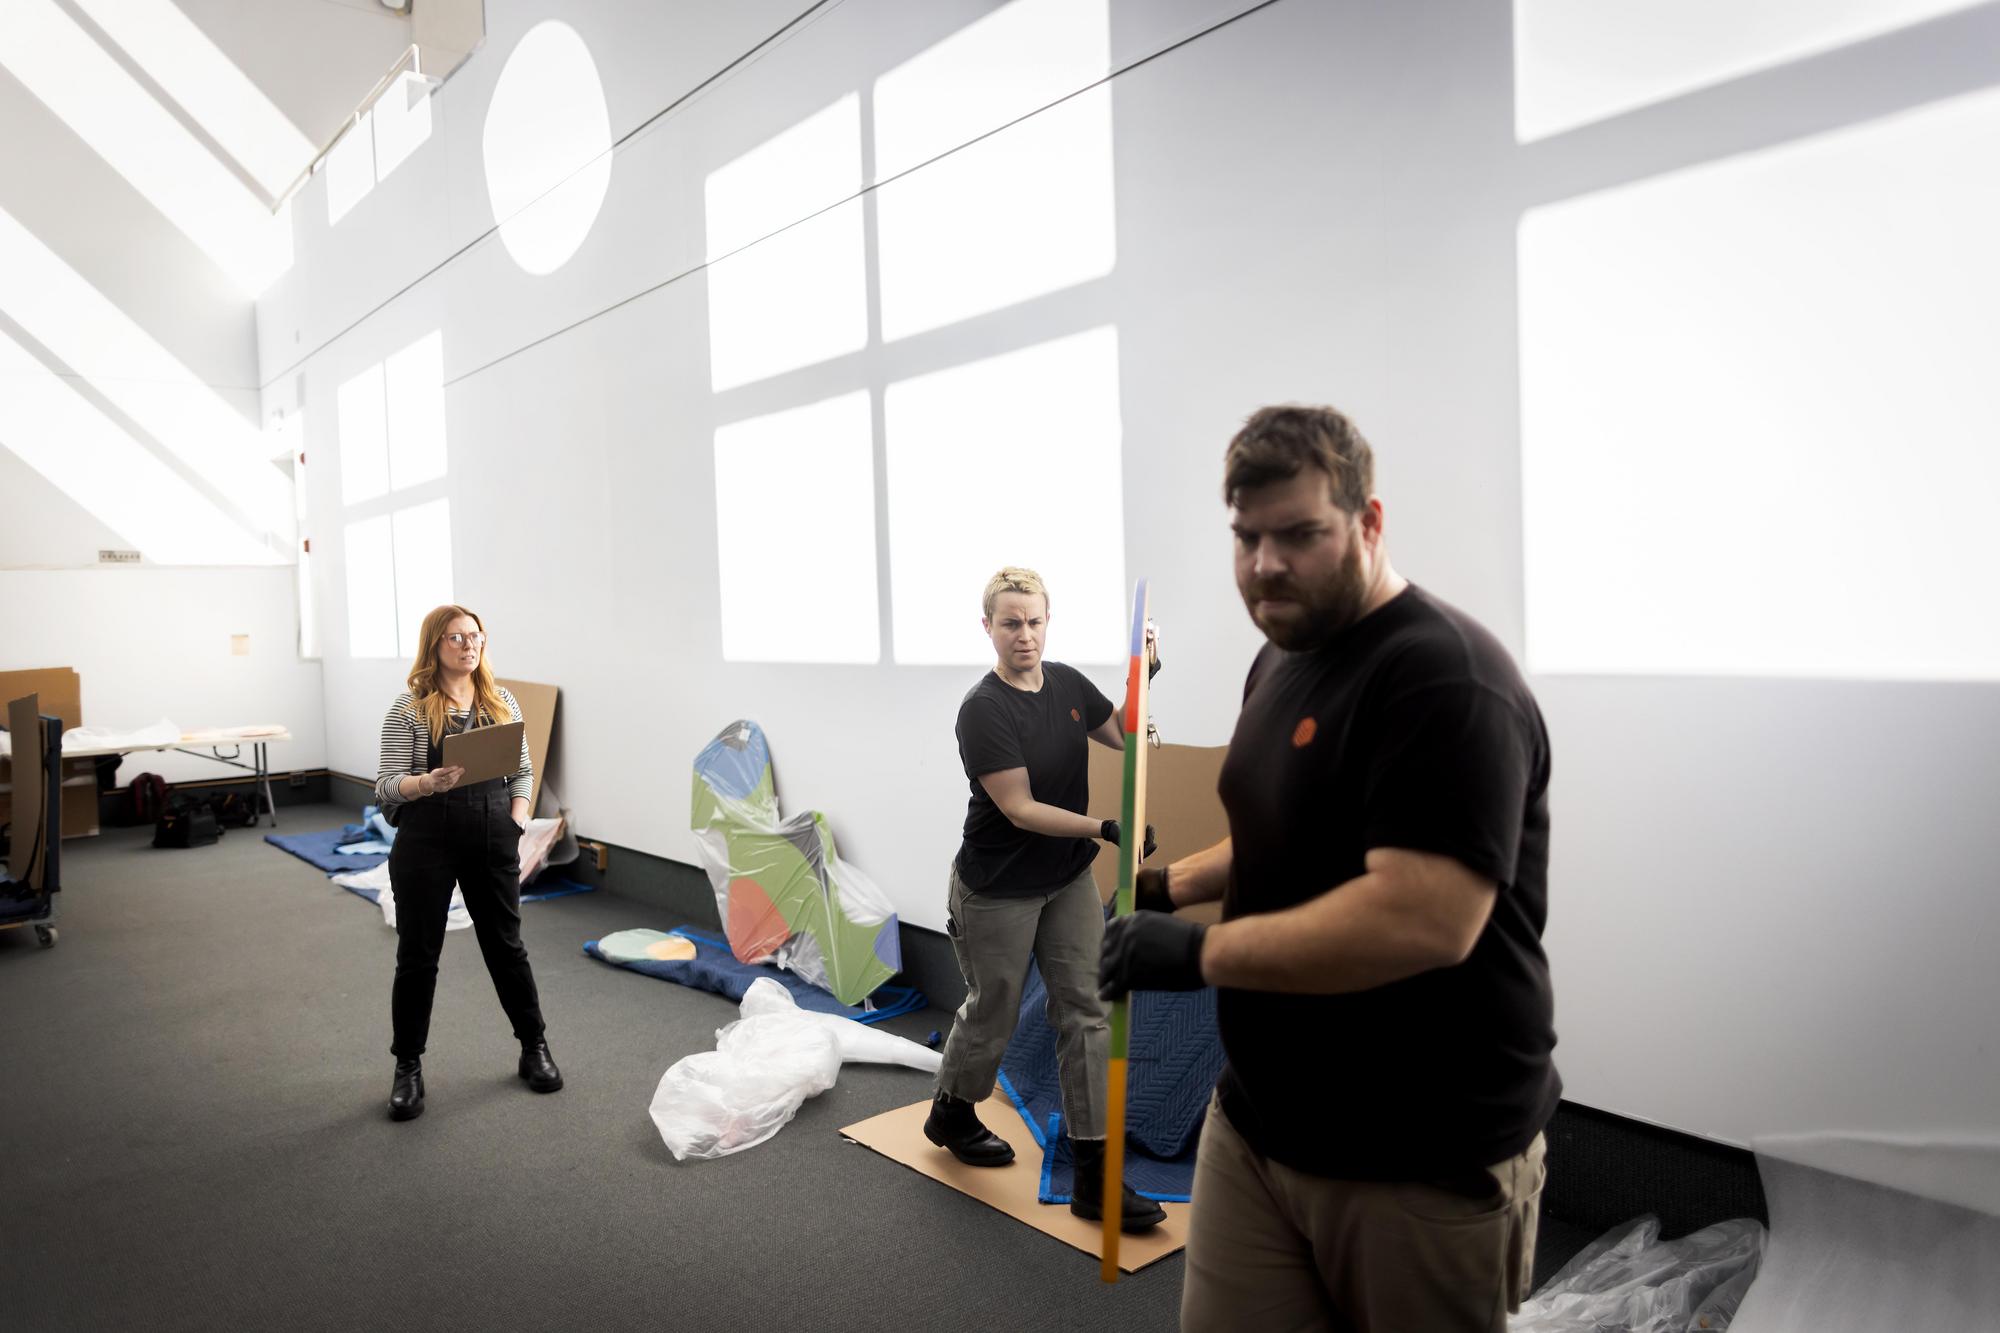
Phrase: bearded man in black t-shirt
{"type": "Point", "coordinates": [1021, 886]}
{"type": "Point", "coordinates": [1372, 1159]}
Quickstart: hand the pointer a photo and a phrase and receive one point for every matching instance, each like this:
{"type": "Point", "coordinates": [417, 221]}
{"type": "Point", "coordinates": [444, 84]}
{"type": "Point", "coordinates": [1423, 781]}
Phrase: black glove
{"type": "Point", "coordinates": [1149, 890]}
{"type": "Point", "coordinates": [1150, 951]}
{"type": "Point", "coordinates": [1111, 833]}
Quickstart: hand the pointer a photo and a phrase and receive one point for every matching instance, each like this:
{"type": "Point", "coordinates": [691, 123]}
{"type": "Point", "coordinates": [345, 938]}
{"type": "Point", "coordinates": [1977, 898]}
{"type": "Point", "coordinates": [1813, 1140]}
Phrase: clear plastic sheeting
{"type": "Point", "coordinates": [538, 840]}
{"type": "Point", "coordinates": [1878, 1234]}
{"type": "Point", "coordinates": [374, 882]}
{"type": "Point", "coordinates": [783, 892]}
{"type": "Point", "coordinates": [1631, 1281]}
{"type": "Point", "coordinates": [162, 732]}
{"type": "Point", "coordinates": [761, 1071]}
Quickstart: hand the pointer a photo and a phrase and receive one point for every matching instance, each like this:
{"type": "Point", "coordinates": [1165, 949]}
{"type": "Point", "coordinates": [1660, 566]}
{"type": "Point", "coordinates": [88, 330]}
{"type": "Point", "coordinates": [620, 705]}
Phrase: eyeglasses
{"type": "Point", "coordinates": [465, 640]}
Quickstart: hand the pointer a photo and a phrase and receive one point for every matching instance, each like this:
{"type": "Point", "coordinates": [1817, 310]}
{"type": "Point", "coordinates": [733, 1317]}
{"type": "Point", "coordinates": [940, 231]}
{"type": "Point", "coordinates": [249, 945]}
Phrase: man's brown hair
{"type": "Point", "coordinates": [1276, 442]}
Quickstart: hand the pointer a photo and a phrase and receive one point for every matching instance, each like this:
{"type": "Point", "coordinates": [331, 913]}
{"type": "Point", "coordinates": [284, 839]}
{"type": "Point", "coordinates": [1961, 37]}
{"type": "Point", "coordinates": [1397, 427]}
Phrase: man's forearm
{"type": "Point", "coordinates": [1351, 938]}
{"type": "Point", "coordinates": [1202, 877]}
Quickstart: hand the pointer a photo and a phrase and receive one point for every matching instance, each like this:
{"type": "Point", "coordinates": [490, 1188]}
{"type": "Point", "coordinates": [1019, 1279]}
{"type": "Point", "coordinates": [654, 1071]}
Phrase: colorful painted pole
{"type": "Point", "coordinates": [1131, 850]}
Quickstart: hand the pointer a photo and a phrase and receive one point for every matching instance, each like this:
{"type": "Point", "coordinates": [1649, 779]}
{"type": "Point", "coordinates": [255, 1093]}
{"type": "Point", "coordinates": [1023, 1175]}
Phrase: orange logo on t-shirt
{"type": "Point", "coordinates": [1075, 716]}
{"type": "Point", "coordinates": [1303, 733]}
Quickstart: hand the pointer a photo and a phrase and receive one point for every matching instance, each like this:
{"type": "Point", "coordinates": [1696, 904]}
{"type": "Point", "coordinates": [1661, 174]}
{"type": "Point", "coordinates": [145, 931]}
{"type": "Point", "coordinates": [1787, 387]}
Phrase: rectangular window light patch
{"type": "Point", "coordinates": [1759, 411]}
{"type": "Point", "coordinates": [795, 535]}
{"type": "Point", "coordinates": [371, 589]}
{"type": "Point", "coordinates": [1015, 460]}
{"type": "Point", "coordinates": [423, 569]}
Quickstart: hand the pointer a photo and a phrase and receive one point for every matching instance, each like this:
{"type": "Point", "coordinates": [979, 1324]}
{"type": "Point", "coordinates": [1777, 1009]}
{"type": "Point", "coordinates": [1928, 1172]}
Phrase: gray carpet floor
{"type": "Point", "coordinates": [192, 1087]}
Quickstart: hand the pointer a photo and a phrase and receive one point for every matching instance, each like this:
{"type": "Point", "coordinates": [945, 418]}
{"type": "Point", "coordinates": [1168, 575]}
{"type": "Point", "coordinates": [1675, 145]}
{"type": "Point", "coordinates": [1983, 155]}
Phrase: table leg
{"type": "Point", "coordinates": [264, 779]}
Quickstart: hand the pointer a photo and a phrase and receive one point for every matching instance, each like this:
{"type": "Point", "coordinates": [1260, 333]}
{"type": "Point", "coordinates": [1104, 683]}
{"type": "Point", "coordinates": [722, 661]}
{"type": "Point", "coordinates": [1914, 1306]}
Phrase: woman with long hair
{"type": "Point", "coordinates": [1021, 885]}
{"type": "Point", "coordinates": [448, 834]}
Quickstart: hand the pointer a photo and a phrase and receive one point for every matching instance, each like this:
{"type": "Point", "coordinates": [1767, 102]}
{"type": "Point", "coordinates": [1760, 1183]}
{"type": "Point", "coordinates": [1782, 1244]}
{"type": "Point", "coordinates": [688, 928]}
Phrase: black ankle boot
{"type": "Point", "coordinates": [954, 1125]}
{"type": "Point", "coordinates": [539, 1068]}
{"type": "Point", "coordinates": [1086, 1195]}
{"type": "Point", "coordinates": [406, 1094]}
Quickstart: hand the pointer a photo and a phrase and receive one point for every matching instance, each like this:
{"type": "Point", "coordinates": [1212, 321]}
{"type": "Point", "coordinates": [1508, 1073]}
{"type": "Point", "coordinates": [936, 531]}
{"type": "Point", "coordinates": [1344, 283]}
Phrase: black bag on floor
{"type": "Point", "coordinates": [232, 811]}
{"type": "Point", "coordinates": [186, 824]}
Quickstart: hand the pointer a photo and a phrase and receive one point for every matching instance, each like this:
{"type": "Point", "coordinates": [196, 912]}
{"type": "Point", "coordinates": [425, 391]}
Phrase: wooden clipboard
{"type": "Point", "coordinates": [485, 752]}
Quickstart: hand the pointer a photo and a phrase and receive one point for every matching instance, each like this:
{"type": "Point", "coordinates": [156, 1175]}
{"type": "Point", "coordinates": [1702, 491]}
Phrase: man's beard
{"type": "Point", "coordinates": [1323, 610]}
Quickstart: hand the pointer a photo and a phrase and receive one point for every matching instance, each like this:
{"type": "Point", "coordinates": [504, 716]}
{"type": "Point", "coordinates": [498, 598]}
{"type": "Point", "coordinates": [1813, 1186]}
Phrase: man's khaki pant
{"type": "Point", "coordinates": [1275, 1249]}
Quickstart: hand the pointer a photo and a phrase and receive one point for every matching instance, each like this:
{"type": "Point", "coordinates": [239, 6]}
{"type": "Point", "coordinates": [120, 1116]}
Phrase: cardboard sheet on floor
{"type": "Point", "coordinates": [899, 1136]}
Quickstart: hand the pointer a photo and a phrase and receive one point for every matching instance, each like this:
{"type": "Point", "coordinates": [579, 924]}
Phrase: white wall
{"type": "Point", "coordinates": [152, 643]}
{"type": "Point", "coordinates": [1772, 903]}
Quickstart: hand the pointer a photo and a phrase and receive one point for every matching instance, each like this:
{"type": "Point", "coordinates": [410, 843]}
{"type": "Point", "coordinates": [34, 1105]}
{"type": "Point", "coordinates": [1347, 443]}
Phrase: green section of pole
{"type": "Point", "coordinates": [1128, 855]}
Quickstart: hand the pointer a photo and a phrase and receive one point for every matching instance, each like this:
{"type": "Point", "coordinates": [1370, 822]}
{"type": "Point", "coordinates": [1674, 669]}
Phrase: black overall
{"type": "Point", "coordinates": [467, 837]}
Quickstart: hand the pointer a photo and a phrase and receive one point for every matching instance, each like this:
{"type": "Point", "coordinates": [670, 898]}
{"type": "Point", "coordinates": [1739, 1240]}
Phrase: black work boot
{"type": "Point", "coordinates": [1086, 1196]}
{"type": "Point", "coordinates": [406, 1094]}
{"type": "Point", "coordinates": [954, 1125]}
{"type": "Point", "coordinates": [539, 1068]}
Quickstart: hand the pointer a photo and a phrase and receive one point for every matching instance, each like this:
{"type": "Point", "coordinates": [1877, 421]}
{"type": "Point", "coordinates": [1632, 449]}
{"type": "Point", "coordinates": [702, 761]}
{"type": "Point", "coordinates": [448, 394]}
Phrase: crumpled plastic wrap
{"type": "Point", "coordinates": [162, 732]}
{"type": "Point", "coordinates": [539, 836]}
{"type": "Point", "coordinates": [783, 892]}
{"type": "Point", "coordinates": [763, 1068]}
{"type": "Point", "coordinates": [1631, 1281]}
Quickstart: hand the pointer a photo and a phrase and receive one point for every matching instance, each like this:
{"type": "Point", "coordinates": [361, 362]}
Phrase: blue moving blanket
{"type": "Point", "coordinates": [318, 849]}
{"type": "Point", "coordinates": [1176, 1056]}
{"type": "Point", "coordinates": [714, 968]}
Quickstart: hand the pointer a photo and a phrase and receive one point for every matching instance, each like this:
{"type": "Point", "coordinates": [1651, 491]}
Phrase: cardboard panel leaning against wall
{"type": "Point", "coordinates": [60, 694]}
{"type": "Point", "coordinates": [1181, 805]}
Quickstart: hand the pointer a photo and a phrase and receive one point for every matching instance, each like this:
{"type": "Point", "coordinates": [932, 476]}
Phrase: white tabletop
{"type": "Point", "coordinates": [195, 738]}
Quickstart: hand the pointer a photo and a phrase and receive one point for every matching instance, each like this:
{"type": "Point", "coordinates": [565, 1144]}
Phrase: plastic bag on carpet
{"type": "Point", "coordinates": [1630, 1279]}
{"type": "Point", "coordinates": [761, 1071]}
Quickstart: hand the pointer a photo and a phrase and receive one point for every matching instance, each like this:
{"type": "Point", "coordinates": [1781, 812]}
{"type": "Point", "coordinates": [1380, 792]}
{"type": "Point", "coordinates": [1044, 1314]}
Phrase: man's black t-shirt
{"type": "Point", "coordinates": [1412, 729]}
{"type": "Point", "coordinates": [1046, 732]}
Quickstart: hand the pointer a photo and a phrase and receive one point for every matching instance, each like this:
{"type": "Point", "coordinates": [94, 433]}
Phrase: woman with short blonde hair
{"type": "Point", "coordinates": [451, 835]}
{"type": "Point", "coordinates": [1021, 885]}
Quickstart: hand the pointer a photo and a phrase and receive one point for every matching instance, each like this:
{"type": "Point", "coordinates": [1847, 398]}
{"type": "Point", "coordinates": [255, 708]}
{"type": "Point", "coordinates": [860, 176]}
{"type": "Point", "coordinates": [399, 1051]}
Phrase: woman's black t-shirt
{"type": "Point", "coordinates": [1046, 732]}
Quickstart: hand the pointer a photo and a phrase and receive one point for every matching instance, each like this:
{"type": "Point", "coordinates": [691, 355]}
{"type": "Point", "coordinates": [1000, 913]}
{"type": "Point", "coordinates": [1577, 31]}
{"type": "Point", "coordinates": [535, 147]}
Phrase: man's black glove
{"type": "Point", "coordinates": [1111, 833]}
{"type": "Point", "coordinates": [1150, 951]}
{"type": "Point", "coordinates": [1150, 892]}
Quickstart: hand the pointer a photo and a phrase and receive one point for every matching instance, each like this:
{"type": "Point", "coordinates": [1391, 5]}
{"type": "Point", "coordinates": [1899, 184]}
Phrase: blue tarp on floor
{"type": "Point", "coordinates": [1176, 1056]}
{"type": "Point", "coordinates": [318, 849]}
{"type": "Point", "coordinates": [714, 968]}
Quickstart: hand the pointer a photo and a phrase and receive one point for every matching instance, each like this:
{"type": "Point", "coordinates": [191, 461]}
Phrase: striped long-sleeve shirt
{"type": "Point", "coordinates": [406, 744]}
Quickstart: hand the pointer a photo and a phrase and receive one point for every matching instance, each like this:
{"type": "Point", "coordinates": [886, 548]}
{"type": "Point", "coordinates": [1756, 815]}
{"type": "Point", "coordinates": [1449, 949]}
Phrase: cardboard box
{"type": "Point", "coordinates": [1181, 805]}
{"type": "Point", "coordinates": [60, 692]}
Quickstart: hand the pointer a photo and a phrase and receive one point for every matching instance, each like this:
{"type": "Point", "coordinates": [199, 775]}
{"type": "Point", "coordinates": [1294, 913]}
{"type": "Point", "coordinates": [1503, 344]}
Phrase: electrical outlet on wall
{"type": "Point", "coordinates": [105, 557]}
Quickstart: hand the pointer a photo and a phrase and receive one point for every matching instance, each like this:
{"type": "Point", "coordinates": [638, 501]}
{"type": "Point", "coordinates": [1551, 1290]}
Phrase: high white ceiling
{"type": "Point", "coordinates": [316, 59]}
